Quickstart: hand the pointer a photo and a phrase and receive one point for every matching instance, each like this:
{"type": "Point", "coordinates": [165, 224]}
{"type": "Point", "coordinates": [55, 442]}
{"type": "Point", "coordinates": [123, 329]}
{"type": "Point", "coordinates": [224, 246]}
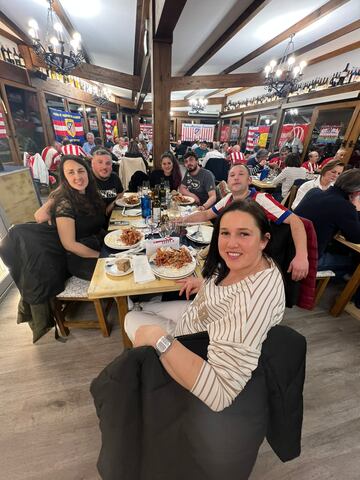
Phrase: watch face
{"type": "Point", "coordinates": [163, 344]}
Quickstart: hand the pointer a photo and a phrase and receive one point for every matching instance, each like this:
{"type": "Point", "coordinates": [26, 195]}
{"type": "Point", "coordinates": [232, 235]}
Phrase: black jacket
{"type": "Point", "coordinates": [154, 429]}
{"type": "Point", "coordinates": [36, 261]}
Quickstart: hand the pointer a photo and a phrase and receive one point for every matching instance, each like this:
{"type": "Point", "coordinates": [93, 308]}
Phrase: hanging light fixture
{"type": "Point", "coordinates": [56, 44]}
{"type": "Point", "coordinates": [198, 104]}
{"type": "Point", "coordinates": [101, 95]}
{"type": "Point", "coordinates": [282, 78]}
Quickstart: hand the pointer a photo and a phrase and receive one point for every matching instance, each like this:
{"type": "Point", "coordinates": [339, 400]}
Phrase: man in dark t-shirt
{"type": "Point", "coordinates": [198, 183]}
{"type": "Point", "coordinates": [108, 182]}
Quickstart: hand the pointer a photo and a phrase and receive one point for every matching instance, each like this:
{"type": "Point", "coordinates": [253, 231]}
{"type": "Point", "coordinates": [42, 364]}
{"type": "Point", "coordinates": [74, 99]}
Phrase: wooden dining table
{"type": "Point", "coordinates": [103, 285]}
{"type": "Point", "coordinates": [262, 184]}
{"type": "Point", "coordinates": [351, 286]}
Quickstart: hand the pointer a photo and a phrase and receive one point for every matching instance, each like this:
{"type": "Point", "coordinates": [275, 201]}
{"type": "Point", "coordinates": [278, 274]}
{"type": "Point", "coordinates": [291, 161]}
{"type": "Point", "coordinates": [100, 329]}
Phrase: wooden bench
{"type": "Point", "coordinates": [76, 291]}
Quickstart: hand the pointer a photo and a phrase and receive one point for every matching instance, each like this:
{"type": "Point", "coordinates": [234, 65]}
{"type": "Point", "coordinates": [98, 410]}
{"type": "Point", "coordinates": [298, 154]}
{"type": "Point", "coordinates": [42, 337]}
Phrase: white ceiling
{"type": "Point", "coordinates": [107, 28]}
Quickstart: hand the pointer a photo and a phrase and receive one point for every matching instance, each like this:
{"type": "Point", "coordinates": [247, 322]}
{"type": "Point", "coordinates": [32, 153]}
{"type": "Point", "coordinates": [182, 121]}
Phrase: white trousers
{"type": "Point", "coordinates": [164, 314]}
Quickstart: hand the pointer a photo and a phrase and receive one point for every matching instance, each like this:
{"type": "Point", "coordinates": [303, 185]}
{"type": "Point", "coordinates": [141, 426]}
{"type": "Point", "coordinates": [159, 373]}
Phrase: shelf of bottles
{"type": "Point", "coordinates": [11, 56]}
{"type": "Point", "coordinates": [346, 76]}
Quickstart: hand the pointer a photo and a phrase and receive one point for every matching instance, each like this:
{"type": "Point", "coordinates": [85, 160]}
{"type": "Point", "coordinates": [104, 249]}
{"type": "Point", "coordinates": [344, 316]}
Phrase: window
{"type": "Point", "coordinates": [25, 113]}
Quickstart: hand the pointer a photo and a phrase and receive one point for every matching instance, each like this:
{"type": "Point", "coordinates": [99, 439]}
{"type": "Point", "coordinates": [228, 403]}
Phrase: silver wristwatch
{"type": "Point", "coordinates": [163, 344]}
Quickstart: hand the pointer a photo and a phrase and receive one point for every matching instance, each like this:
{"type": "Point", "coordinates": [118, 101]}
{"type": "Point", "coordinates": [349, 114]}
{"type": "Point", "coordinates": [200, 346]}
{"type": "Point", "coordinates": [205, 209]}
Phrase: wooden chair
{"type": "Point", "coordinates": [322, 279]}
{"type": "Point", "coordinates": [76, 291]}
{"type": "Point", "coordinates": [290, 197]}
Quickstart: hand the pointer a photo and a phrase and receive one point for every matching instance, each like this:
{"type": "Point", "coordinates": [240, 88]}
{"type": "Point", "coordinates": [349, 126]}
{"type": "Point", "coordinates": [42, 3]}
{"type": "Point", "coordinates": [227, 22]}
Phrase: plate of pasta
{"type": "Point", "coordinates": [124, 238]}
{"type": "Point", "coordinates": [172, 263]}
{"type": "Point", "coordinates": [128, 201]}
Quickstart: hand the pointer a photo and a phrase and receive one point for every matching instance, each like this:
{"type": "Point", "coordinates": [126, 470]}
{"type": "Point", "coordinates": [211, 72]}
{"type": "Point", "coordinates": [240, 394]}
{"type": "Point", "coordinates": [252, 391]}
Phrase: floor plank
{"type": "Point", "coordinates": [49, 428]}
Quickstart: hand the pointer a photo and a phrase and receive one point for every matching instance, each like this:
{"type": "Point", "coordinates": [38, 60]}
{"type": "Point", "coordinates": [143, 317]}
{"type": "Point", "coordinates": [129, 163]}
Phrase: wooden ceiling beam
{"type": "Point", "coordinates": [17, 30]}
{"type": "Point", "coordinates": [124, 102]}
{"type": "Point", "coordinates": [9, 36]}
{"type": "Point", "coordinates": [166, 16]}
{"type": "Point", "coordinates": [328, 38]}
{"type": "Point", "coordinates": [184, 103]}
{"type": "Point", "coordinates": [334, 53]}
{"type": "Point", "coordinates": [64, 19]}
{"type": "Point", "coordinates": [246, 16]}
{"type": "Point", "coordinates": [320, 12]}
{"type": "Point", "coordinates": [200, 82]}
{"type": "Point", "coordinates": [145, 82]}
{"type": "Point", "coordinates": [142, 14]}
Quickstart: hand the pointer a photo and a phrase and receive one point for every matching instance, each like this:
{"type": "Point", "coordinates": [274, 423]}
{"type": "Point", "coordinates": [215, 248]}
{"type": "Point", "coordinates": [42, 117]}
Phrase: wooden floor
{"type": "Point", "coordinates": [49, 429]}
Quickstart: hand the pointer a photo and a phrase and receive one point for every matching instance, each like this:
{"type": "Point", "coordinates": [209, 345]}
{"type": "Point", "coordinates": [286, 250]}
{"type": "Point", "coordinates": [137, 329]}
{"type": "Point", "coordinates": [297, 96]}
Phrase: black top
{"type": "Point", "coordinates": [85, 225]}
{"type": "Point", "coordinates": [109, 188]}
{"type": "Point", "coordinates": [157, 175]}
{"type": "Point", "coordinates": [330, 211]}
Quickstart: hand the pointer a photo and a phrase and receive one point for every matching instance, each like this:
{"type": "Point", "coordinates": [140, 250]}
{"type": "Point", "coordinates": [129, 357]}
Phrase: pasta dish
{"type": "Point", "coordinates": [170, 257]}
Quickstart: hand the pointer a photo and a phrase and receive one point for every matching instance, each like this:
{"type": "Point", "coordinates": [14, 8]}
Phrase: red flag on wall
{"type": "Point", "coordinates": [3, 133]}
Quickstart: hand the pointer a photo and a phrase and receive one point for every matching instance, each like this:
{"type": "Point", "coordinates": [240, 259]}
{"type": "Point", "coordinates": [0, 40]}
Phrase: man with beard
{"type": "Point", "coordinates": [239, 181]}
{"type": "Point", "coordinates": [108, 182]}
{"type": "Point", "coordinates": [198, 183]}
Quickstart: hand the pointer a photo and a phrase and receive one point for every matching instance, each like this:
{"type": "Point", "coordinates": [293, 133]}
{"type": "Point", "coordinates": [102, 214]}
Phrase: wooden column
{"type": "Point", "coordinates": [119, 117]}
{"type": "Point", "coordinates": [160, 82]}
{"type": "Point", "coordinates": [136, 125]}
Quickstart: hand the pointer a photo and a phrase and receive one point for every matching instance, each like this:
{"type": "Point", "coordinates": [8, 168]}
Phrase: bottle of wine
{"type": "Point", "coordinates": [3, 53]}
{"type": "Point", "coordinates": [16, 57]}
{"type": "Point", "coordinates": [343, 75]}
{"type": "Point", "coordinates": [156, 208]}
{"type": "Point", "coordinates": [10, 56]}
{"type": "Point", "coordinates": [162, 193]}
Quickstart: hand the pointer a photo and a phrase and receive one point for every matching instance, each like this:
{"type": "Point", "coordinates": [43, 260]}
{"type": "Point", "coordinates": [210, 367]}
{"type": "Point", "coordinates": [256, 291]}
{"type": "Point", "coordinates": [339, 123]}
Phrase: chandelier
{"type": "Point", "coordinates": [101, 95]}
{"type": "Point", "coordinates": [282, 78]}
{"type": "Point", "coordinates": [53, 51]}
{"type": "Point", "coordinates": [198, 104]}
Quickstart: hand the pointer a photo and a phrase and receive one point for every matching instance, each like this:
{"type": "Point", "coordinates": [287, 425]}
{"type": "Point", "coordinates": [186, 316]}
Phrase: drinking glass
{"type": "Point", "coordinates": [152, 224]}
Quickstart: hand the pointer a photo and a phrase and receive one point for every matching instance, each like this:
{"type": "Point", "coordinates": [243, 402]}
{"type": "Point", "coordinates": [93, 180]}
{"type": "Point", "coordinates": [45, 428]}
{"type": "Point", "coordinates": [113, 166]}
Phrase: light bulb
{"type": "Point", "coordinates": [278, 72]}
{"type": "Point", "coordinates": [54, 41]}
{"type": "Point", "coordinates": [74, 44]}
{"type": "Point", "coordinates": [32, 33]}
{"type": "Point", "coordinates": [33, 24]}
{"type": "Point", "coordinates": [296, 70]}
{"type": "Point", "coordinates": [58, 27]}
{"type": "Point", "coordinates": [273, 63]}
{"type": "Point", "coordinates": [291, 60]}
{"type": "Point", "coordinates": [77, 36]}
{"type": "Point", "coordinates": [267, 121]}
{"type": "Point", "coordinates": [303, 64]}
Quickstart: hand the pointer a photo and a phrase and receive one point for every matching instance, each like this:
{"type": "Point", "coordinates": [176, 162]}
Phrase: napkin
{"type": "Point", "coordinates": [142, 269]}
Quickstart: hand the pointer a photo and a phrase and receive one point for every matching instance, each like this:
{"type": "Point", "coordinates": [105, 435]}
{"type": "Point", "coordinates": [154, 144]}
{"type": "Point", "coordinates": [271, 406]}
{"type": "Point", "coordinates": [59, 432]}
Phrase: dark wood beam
{"type": "Point", "coordinates": [17, 30]}
{"type": "Point", "coordinates": [200, 82]}
{"type": "Point", "coordinates": [125, 102]}
{"type": "Point", "coordinates": [9, 36]}
{"type": "Point", "coordinates": [328, 38]}
{"type": "Point", "coordinates": [238, 90]}
{"type": "Point", "coordinates": [184, 103]}
{"type": "Point", "coordinates": [246, 16]}
{"type": "Point", "coordinates": [64, 19]}
{"type": "Point", "coordinates": [334, 53]}
{"type": "Point", "coordinates": [145, 79]}
{"type": "Point", "coordinates": [166, 16]}
{"type": "Point", "coordinates": [297, 27]}
{"type": "Point", "coordinates": [209, 95]}
{"type": "Point", "coordinates": [142, 14]}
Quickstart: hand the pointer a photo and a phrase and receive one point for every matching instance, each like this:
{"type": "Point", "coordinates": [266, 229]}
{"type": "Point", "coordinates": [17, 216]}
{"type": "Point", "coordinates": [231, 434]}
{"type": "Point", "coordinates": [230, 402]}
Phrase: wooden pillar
{"type": "Point", "coordinates": [160, 83]}
{"type": "Point", "coordinates": [136, 125]}
{"type": "Point", "coordinates": [119, 117]}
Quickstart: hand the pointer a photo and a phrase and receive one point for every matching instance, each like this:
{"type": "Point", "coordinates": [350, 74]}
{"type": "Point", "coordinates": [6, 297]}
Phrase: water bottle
{"type": "Point", "coordinates": [145, 203]}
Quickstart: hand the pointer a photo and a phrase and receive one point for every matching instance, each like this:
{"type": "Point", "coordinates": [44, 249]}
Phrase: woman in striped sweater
{"type": "Point", "coordinates": [239, 300]}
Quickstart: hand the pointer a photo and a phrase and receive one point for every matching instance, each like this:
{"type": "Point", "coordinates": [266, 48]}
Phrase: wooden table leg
{"type": "Point", "coordinates": [101, 318]}
{"type": "Point", "coordinates": [347, 293]}
{"type": "Point", "coordinates": [122, 307]}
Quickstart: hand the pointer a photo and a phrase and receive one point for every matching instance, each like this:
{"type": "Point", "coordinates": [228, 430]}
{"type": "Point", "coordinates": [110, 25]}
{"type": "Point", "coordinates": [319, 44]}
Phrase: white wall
{"type": "Point", "coordinates": [322, 69]}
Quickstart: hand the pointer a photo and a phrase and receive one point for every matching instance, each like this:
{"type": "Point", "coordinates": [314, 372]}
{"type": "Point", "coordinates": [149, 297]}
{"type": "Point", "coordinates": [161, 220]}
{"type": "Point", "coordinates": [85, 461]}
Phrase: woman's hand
{"type": "Point", "coordinates": [148, 335]}
{"type": "Point", "coordinates": [190, 286]}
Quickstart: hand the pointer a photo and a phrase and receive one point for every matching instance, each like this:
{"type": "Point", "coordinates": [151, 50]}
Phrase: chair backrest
{"type": "Point", "coordinates": [290, 197]}
{"type": "Point", "coordinates": [128, 167]}
{"type": "Point", "coordinates": [219, 167]}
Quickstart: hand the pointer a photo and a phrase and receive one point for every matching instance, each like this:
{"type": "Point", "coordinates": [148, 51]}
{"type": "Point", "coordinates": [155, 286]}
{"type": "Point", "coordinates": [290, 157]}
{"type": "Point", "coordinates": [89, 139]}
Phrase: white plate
{"type": "Point", "coordinates": [206, 231]}
{"type": "Point", "coordinates": [122, 202]}
{"type": "Point", "coordinates": [138, 223]}
{"type": "Point", "coordinates": [111, 268]}
{"type": "Point", "coordinates": [133, 212]}
{"type": "Point", "coordinates": [189, 201]}
{"type": "Point", "coordinates": [112, 240]}
{"type": "Point", "coordinates": [170, 273]}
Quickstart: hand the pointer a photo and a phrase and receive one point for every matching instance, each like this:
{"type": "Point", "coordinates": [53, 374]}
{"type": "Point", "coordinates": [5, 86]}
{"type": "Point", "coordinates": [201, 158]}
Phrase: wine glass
{"type": "Point", "coordinates": [152, 224]}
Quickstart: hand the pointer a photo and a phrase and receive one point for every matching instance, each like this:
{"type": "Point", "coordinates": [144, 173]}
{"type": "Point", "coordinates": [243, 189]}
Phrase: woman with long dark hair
{"type": "Point", "coordinates": [170, 171]}
{"type": "Point", "coordinates": [240, 299]}
{"type": "Point", "coordinates": [78, 212]}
